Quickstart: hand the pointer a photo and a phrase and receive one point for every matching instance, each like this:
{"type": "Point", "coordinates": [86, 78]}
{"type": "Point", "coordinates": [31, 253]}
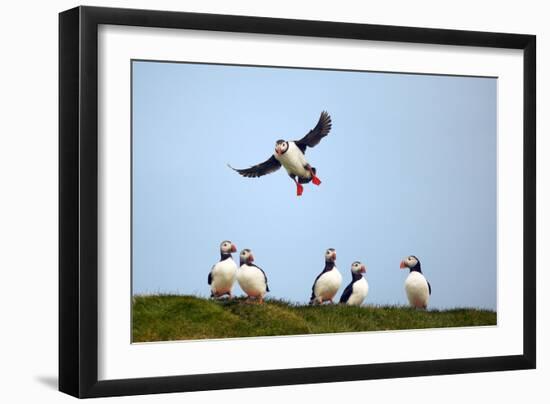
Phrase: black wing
{"type": "Point", "coordinates": [317, 133]}
{"type": "Point", "coordinates": [265, 276]}
{"type": "Point", "coordinates": [347, 293]}
{"type": "Point", "coordinates": [267, 167]}
{"type": "Point", "coordinates": [210, 277]}
{"type": "Point", "coordinates": [314, 282]}
{"type": "Point", "coordinates": [429, 287]}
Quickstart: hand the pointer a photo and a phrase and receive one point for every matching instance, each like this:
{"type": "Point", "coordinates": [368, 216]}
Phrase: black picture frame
{"type": "Point", "coordinates": [78, 201]}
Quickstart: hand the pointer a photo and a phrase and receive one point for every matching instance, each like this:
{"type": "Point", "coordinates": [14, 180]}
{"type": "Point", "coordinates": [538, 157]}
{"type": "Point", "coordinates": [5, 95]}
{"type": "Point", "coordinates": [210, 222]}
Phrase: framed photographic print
{"type": "Point", "coordinates": [250, 201]}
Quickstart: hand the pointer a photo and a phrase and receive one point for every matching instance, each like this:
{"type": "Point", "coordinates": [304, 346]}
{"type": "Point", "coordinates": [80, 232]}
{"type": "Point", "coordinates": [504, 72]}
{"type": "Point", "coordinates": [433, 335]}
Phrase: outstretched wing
{"type": "Point", "coordinates": [317, 133]}
{"type": "Point", "coordinates": [347, 293]}
{"type": "Point", "coordinates": [267, 167]}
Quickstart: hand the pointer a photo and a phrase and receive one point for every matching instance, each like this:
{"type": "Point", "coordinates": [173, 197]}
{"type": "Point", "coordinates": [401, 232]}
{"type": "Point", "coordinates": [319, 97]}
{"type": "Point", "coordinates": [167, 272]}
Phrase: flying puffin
{"type": "Point", "coordinates": [222, 275]}
{"type": "Point", "coordinates": [290, 154]}
{"type": "Point", "coordinates": [251, 278]}
{"type": "Point", "coordinates": [357, 290]}
{"type": "Point", "coordinates": [327, 282]}
{"type": "Point", "coordinates": [417, 287]}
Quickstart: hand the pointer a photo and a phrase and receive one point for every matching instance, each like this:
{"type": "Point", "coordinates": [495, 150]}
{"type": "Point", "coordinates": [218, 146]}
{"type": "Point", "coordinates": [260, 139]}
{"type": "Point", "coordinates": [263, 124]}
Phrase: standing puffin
{"type": "Point", "coordinates": [327, 282]}
{"type": "Point", "coordinates": [222, 275]}
{"type": "Point", "coordinates": [251, 278]}
{"type": "Point", "coordinates": [358, 289]}
{"type": "Point", "coordinates": [417, 287]}
{"type": "Point", "coordinates": [290, 154]}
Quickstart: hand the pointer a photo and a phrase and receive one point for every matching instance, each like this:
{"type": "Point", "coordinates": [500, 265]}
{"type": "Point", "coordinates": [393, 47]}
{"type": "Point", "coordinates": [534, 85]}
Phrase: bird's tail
{"type": "Point", "coordinates": [313, 178]}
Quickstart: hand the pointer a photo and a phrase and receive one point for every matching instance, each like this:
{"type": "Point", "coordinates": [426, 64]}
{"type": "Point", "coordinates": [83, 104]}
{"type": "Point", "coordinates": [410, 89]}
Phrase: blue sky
{"type": "Point", "coordinates": [408, 168]}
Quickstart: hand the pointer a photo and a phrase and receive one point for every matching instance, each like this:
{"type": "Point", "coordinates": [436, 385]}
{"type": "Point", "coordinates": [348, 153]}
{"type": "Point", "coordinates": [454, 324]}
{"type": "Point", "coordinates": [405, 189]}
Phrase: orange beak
{"type": "Point", "coordinates": [363, 269]}
{"type": "Point", "coordinates": [233, 248]}
{"type": "Point", "coordinates": [251, 258]}
{"type": "Point", "coordinates": [402, 265]}
{"type": "Point", "coordinates": [334, 256]}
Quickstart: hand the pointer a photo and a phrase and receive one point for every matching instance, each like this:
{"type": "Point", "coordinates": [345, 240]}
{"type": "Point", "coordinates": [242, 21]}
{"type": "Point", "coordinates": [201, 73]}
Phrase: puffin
{"type": "Point", "coordinates": [355, 293]}
{"type": "Point", "coordinates": [290, 154]}
{"type": "Point", "coordinates": [252, 279]}
{"type": "Point", "coordinates": [328, 282]}
{"type": "Point", "coordinates": [223, 274]}
{"type": "Point", "coordinates": [417, 287]}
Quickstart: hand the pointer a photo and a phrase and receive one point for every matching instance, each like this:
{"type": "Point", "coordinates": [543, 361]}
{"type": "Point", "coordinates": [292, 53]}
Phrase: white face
{"type": "Point", "coordinates": [330, 255]}
{"type": "Point", "coordinates": [246, 255]}
{"type": "Point", "coordinates": [409, 262]}
{"type": "Point", "coordinates": [358, 267]}
{"type": "Point", "coordinates": [281, 147]}
{"type": "Point", "coordinates": [227, 247]}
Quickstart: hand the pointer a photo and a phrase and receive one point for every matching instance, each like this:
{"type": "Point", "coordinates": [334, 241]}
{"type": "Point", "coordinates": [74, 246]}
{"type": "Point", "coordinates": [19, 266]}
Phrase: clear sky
{"type": "Point", "coordinates": [408, 168]}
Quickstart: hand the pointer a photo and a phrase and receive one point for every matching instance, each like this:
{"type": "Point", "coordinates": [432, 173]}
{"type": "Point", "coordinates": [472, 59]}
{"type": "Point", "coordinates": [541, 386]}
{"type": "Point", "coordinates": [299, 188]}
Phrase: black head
{"type": "Point", "coordinates": [357, 267]}
{"type": "Point", "coordinates": [246, 256]}
{"type": "Point", "coordinates": [330, 255]}
{"type": "Point", "coordinates": [411, 262]}
{"type": "Point", "coordinates": [227, 247]}
{"type": "Point", "coordinates": [281, 147]}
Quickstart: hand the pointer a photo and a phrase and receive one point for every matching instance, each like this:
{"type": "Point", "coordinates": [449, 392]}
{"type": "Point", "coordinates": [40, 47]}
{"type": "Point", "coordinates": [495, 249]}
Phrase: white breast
{"type": "Point", "coordinates": [417, 290]}
{"type": "Point", "coordinates": [327, 285]}
{"type": "Point", "coordinates": [252, 281]}
{"type": "Point", "coordinates": [359, 293]}
{"type": "Point", "coordinates": [223, 276]}
{"type": "Point", "coordinates": [293, 160]}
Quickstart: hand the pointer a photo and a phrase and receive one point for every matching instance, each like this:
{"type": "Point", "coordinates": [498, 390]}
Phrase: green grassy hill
{"type": "Point", "coordinates": [173, 317]}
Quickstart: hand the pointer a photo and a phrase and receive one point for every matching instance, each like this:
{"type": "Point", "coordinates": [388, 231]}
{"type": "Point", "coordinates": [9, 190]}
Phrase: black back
{"type": "Point", "coordinates": [223, 257]}
{"type": "Point", "coordinates": [329, 265]}
{"type": "Point", "coordinates": [265, 276]}
{"type": "Point", "coordinates": [349, 289]}
{"type": "Point", "coordinates": [418, 268]}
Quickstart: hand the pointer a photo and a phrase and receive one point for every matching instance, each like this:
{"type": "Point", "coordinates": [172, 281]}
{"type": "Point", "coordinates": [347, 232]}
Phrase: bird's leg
{"type": "Point", "coordinates": [260, 300]}
{"type": "Point", "coordinates": [314, 178]}
{"type": "Point", "coordinates": [299, 187]}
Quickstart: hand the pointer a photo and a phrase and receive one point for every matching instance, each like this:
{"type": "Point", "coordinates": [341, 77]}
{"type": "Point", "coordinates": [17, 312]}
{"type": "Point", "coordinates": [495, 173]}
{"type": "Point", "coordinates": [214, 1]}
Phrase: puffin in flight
{"type": "Point", "coordinates": [357, 290]}
{"type": "Point", "coordinates": [327, 282]}
{"type": "Point", "coordinates": [290, 154]}
{"type": "Point", "coordinates": [251, 278]}
{"type": "Point", "coordinates": [222, 275]}
{"type": "Point", "coordinates": [417, 287]}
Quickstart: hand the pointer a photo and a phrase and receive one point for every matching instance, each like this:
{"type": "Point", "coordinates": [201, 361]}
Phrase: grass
{"type": "Point", "coordinates": [175, 317]}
